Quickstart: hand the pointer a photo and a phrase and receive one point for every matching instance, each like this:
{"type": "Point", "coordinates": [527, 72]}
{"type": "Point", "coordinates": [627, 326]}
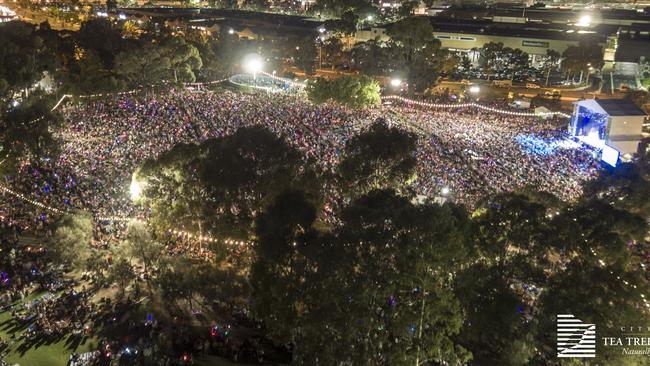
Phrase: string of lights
{"type": "Point", "coordinates": [472, 105]}
{"type": "Point", "coordinates": [207, 238]}
{"type": "Point", "coordinates": [180, 233]}
{"type": "Point", "coordinates": [28, 200]}
{"type": "Point", "coordinates": [602, 263]}
{"type": "Point", "coordinates": [299, 84]}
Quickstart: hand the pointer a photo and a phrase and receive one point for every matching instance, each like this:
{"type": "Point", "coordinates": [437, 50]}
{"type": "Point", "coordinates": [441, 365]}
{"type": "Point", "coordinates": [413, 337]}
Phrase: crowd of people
{"type": "Point", "coordinates": [468, 154]}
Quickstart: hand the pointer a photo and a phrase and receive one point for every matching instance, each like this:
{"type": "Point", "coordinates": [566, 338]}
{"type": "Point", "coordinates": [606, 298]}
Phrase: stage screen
{"type": "Point", "coordinates": [610, 155]}
{"type": "Point", "coordinates": [590, 127]}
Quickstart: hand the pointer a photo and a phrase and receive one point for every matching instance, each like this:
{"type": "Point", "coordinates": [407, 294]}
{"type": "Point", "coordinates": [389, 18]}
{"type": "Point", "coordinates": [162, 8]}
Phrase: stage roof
{"type": "Point", "coordinates": [620, 107]}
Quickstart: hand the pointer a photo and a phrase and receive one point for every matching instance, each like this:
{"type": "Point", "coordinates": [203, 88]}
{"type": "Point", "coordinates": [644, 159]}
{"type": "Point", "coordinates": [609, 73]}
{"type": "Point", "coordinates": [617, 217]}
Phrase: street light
{"type": "Point", "coordinates": [444, 191]}
{"type": "Point", "coordinates": [395, 82]}
{"type": "Point", "coordinates": [474, 89]}
{"type": "Point", "coordinates": [135, 189]}
{"type": "Point", "coordinates": [584, 21]}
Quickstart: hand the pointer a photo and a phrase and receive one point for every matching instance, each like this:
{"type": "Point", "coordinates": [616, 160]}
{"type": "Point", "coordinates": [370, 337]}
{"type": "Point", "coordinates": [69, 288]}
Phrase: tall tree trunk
{"type": "Point", "coordinates": [580, 79]}
{"type": "Point", "coordinates": [420, 326]}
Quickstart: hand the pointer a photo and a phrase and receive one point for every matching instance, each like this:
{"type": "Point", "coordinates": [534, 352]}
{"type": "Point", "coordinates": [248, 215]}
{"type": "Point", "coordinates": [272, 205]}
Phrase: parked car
{"type": "Point", "coordinates": [552, 93]}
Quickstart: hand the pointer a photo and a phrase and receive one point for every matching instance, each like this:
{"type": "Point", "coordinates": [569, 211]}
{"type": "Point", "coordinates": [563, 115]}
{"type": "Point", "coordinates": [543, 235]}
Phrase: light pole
{"type": "Point", "coordinates": [135, 189]}
{"type": "Point", "coordinates": [395, 84]}
{"type": "Point", "coordinates": [474, 90]}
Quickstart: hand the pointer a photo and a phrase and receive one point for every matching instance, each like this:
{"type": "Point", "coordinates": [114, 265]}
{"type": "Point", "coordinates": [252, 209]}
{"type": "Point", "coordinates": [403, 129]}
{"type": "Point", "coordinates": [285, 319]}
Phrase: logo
{"type": "Point", "coordinates": [575, 338]}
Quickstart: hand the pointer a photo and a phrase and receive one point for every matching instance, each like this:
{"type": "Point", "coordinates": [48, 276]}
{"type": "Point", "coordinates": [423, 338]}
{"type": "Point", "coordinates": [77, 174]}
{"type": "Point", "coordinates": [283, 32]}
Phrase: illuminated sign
{"type": "Point", "coordinates": [454, 38]}
{"type": "Point", "coordinates": [534, 44]}
{"type": "Point", "coordinates": [610, 155]}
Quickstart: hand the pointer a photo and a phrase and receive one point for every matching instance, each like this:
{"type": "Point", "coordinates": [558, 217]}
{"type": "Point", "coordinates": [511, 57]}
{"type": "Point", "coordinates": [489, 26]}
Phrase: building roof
{"type": "Point", "coordinates": [631, 50]}
{"type": "Point", "coordinates": [487, 27]}
{"type": "Point", "coordinates": [620, 107]}
{"type": "Point", "coordinates": [551, 15]}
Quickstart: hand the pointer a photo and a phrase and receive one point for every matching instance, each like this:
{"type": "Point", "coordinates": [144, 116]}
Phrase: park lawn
{"type": "Point", "coordinates": [54, 354]}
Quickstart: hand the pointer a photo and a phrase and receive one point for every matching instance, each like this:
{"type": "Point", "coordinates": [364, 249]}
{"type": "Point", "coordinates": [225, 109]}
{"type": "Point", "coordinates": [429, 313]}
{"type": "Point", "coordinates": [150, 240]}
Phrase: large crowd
{"type": "Point", "coordinates": [472, 154]}
{"type": "Point", "coordinates": [466, 155]}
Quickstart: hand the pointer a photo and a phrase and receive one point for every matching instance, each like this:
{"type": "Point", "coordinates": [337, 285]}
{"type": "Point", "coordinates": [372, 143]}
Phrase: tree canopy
{"type": "Point", "coordinates": [353, 91]}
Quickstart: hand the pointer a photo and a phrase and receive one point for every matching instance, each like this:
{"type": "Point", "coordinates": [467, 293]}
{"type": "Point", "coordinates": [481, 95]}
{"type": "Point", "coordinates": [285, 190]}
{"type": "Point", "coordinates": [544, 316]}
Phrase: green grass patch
{"type": "Point", "coordinates": [40, 353]}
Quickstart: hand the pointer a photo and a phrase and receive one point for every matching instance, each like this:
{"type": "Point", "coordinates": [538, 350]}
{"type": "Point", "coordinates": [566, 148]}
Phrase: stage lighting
{"type": "Point", "coordinates": [253, 63]}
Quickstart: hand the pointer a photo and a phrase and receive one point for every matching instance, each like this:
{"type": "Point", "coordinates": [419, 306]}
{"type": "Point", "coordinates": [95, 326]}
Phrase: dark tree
{"type": "Point", "coordinates": [374, 292]}
{"type": "Point", "coordinates": [221, 185]}
{"type": "Point", "coordinates": [381, 157]}
{"type": "Point", "coordinates": [23, 58]}
{"type": "Point", "coordinates": [27, 132]}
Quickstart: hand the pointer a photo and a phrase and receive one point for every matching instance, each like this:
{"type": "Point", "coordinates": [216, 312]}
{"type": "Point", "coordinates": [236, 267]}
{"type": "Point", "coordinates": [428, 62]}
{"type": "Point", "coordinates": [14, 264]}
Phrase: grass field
{"type": "Point", "coordinates": [55, 353]}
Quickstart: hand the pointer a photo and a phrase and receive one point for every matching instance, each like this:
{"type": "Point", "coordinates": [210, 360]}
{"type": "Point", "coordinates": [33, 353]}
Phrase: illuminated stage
{"type": "Point", "coordinates": [612, 126]}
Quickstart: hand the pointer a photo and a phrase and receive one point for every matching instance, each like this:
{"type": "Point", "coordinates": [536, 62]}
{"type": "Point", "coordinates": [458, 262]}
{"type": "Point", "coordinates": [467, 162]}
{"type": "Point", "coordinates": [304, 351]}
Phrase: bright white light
{"type": "Point", "coordinates": [321, 30]}
{"type": "Point", "coordinates": [474, 89]}
{"type": "Point", "coordinates": [584, 21]}
{"type": "Point", "coordinates": [122, 16]}
{"type": "Point", "coordinates": [15, 103]}
{"type": "Point", "coordinates": [444, 191]}
{"type": "Point", "coordinates": [592, 139]}
{"type": "Point", "coordinates": [135, 189]}
{"type": "Point", "coordinates": [610, 155]}
{"type": "Point", "coordinates": [231, 31]}
{"type": "Point", "coordinates": [395, 82]}
{"type": "Point", "coordinates": [253, 63]}
{"type": "Point", "coordinates": [370, 17]}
